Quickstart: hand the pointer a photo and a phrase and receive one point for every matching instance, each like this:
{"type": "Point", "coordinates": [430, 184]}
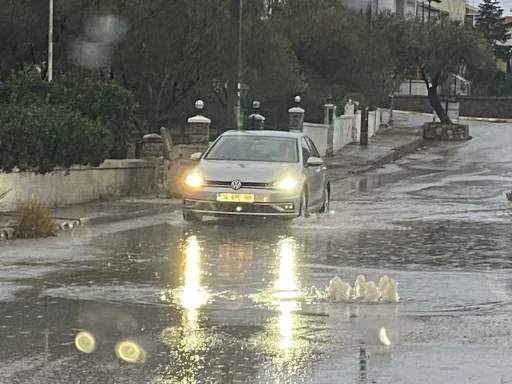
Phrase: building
{"type": "Point", "coordinates": [422, 9]}
{"type": "Point", "coordinates": [471, 14]}
{"type": "Point", "coordinates": [503, 65]}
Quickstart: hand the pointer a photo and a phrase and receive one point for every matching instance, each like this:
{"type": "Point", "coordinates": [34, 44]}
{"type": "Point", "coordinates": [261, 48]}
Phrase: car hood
{"type": "Point", "coordinates": [255, 172]}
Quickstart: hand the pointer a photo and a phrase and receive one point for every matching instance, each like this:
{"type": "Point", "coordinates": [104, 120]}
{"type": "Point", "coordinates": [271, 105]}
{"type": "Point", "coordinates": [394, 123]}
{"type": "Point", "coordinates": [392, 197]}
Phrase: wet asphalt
{"type": "Point", "coordinates": [155, 300]}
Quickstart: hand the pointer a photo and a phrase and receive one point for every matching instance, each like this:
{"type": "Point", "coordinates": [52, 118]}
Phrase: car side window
{"type": "Point", "coordinates": [306, 152]}
{"type": "Point", "coordinates": [312, 145]}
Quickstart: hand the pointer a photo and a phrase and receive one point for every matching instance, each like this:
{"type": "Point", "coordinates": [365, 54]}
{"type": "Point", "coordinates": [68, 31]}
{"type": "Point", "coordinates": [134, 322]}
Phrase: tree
{"type": "Point", "coordinates": [436, 50]}
{"type": "Point", "coordinates": [339, 52]}
{"type": "Point", "coordinates": [490, 23]}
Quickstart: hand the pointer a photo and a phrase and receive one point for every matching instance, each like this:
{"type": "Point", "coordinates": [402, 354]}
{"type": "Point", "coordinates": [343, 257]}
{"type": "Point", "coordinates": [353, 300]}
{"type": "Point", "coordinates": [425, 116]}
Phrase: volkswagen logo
{"type": "Point", "coordinates": [236, 185]}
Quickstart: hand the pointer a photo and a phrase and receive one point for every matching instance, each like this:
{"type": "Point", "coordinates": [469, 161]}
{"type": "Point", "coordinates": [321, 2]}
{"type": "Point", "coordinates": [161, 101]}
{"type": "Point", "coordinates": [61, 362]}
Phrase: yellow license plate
{"type": "Point", "coordinates": [235, 198]}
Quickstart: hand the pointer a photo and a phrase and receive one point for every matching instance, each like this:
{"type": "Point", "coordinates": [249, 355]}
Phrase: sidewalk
{"type": "Point", "coordinates": [99, 212]}
{"type": "Point", "coordinates": [388, 145]}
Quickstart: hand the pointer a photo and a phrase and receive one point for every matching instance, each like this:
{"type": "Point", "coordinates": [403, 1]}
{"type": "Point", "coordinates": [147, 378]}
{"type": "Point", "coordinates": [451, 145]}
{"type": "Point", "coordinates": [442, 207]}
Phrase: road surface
{"type": "Point", "coordinates": [161, 301]}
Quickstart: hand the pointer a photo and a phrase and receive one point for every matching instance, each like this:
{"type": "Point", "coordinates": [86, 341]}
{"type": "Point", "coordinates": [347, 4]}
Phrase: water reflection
{"type": "Point", "coordinates": [188, 338]}
{"type": "Point", "coordinates": [284, 341]}
{"type": "Point", "coordinates": [286, 290]}
{"type": "Point", "coordinates": [192, 295]}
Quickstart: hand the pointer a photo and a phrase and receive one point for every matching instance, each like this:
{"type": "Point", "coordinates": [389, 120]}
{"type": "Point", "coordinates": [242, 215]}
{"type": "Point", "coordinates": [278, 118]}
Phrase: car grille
{"type": "Point", "coordinates": [227, 184]}
{"type": "Point", "coordinates": [246, 208]}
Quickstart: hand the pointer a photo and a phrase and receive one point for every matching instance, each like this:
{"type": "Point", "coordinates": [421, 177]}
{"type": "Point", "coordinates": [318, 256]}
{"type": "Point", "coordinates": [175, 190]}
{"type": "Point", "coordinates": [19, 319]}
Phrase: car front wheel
{"type": "Point", "coordinates": [327, 201]}
{"type": "Point", "coordinates": [304, 208]}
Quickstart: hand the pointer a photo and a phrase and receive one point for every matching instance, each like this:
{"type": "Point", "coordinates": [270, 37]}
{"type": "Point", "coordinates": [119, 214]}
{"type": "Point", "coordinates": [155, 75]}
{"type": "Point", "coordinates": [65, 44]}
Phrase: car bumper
{"type": "Point", "coordinates": [267, 203]}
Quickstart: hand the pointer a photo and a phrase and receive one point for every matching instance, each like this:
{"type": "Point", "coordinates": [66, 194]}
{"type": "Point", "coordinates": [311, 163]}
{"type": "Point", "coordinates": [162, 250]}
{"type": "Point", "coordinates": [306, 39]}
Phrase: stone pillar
{"type": "Point", "coordinates": [256, 121]}
{"type": "Point", "coordinates": [296, 116]}
{"type": "Point", "coordinates": [198, 127]}
{"type": "Point", "coordinates": [152, 149]}
{"type": "Point", "coordinates": [152, 145]}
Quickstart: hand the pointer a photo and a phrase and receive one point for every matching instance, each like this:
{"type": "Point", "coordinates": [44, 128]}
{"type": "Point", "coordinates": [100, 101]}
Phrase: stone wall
{"type": "Point", "coordinates": [445, 132]}
{"type": "Point", "coordinates": [470, 106]}
{"type": "Point", "coordinates": [80, 184]}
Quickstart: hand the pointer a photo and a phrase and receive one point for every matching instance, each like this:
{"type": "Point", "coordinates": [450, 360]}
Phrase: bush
{"type": "Point", "coordinates": [34, 219]}
{"type": "Point", "coordinates": [40, 138]}
{"type": "Point", "coordinates": [105, 102]}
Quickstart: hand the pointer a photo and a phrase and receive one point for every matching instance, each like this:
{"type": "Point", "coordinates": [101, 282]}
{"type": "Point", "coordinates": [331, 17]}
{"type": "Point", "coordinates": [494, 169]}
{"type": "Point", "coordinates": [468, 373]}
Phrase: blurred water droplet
{"type": "Point", "coordinates": [108, 29]}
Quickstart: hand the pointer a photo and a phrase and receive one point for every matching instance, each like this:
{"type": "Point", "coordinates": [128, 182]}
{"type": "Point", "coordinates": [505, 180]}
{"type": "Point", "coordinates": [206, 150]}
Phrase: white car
{"type": "Point", "coordinates": [257, 173]}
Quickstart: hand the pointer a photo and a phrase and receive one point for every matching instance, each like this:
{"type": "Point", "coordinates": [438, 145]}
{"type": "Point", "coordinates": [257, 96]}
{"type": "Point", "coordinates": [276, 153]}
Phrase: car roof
{"type": "Point", "coordinates": [291, 135]}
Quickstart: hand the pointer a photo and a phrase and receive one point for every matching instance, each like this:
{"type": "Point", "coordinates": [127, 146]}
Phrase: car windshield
{"type": "Point", "coordinates": [255, 148]}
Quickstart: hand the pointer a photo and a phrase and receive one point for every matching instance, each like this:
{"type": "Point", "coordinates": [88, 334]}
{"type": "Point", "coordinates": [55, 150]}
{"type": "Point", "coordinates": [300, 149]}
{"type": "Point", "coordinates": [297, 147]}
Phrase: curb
{"type": "Point", "coordinates": [394, 154]}
{"type": "Point", "coordinates": [481, 119]}
{"type": "Point", "coordinates": [127, 215]}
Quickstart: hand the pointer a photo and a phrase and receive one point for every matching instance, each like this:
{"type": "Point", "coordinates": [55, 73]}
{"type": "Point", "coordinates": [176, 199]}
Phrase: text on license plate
{"type": "Point", "coordinates": [235, 197]}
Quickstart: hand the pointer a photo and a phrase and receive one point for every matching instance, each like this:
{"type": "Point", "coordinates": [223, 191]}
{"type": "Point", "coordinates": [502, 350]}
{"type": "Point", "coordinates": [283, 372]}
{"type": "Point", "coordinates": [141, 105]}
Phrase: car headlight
{"type": "Point", "coordinates": [194, 180]}
{"type": "Point", "coordinates": [287, 183]}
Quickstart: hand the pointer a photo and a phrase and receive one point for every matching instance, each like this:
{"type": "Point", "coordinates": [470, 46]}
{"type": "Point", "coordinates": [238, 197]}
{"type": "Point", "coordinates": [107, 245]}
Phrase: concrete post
{"type": "Point", "coordinates": [329, 115]}
{"type": "Point", "coordinates": [199, 127]}
{"type": "Point", "coordinates": [296, 116]}
{"type": "Point", "coordinates": [329, 111]}
{"type": "Point", "coordinates": [364, 127]}
{"type": "Point", "coordinates": [256, 121]}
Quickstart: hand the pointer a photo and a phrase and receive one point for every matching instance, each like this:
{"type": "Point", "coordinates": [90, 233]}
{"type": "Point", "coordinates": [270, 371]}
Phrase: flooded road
{"type": "Point", "coordinates": [155, 300]}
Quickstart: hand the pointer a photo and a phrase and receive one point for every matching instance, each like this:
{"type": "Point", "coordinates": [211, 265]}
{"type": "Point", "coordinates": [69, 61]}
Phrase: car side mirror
{"type": "Point", "coordinates": [315, 162]}
{"type": "Point", "coordinates": [196, 156]}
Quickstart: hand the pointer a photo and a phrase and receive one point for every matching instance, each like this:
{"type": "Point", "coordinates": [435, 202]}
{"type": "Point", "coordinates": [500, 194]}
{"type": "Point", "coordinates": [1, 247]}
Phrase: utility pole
{"type": "Point", "coordinates": [50, 40]}
{"type": "Point", "coordinates": [235, 53]}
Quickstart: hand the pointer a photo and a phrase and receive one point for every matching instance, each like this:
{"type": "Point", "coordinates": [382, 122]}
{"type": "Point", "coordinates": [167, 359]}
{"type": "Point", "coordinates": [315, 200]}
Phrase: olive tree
{"type": "Point", "coordinates": [436, 50]}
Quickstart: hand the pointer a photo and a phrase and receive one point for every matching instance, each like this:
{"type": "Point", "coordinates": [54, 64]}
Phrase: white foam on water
{"type": "Point", "coordinates": [365, 291]}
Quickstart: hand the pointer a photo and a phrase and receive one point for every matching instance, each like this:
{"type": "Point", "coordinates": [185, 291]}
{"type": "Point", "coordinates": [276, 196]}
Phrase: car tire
{"type": "Point", "coordinates": [191, 217]}
{"type": "Point", "coordinates": [304, 205]}
{"type": "Point", "coordinates": [327, 201]}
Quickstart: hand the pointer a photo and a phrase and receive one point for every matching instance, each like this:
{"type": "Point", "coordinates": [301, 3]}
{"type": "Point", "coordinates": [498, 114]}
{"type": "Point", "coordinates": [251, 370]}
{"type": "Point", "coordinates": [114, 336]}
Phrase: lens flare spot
{"type": "Point", "coordinates": [130, 352]}
{"type": "Point", "coordinates": [85, 342]}
{"type": "Point", "coordinates": [383, 336]}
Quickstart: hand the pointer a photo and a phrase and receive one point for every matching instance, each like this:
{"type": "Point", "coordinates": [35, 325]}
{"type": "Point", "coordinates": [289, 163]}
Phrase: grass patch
{"type": "Point", "coordinates": [34, 219]}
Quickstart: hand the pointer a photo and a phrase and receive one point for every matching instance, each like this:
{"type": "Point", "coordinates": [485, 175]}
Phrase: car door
{"type": "Point", "coordinates": [319, 173]}
{"type": "Point", "coordinates": [311, 172]}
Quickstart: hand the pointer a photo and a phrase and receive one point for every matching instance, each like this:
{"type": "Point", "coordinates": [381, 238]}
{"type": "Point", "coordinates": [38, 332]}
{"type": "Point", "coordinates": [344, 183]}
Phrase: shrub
{"type": "Point", "coordinates": [105, 102]}
{"type": "Point", "coordinates": [34, 219]}
{"type": "Point", "coordinates": [40, 138]}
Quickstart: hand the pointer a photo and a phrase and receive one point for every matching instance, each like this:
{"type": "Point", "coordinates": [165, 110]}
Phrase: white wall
{"type": "Point", "coordinates": [319, 134]}
{"type": "Point", "coordinates": [346, 129]}
{"type": "Point", "coordinates": [79, 185]}
{"type": "Point", "coordinates": [342, 135]}
{"type": "Point", "coordinates": [371, 124]}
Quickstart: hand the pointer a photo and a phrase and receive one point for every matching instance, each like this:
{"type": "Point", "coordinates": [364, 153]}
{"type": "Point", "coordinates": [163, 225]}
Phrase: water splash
{"type": "Point", "coordinates": [367, 291]}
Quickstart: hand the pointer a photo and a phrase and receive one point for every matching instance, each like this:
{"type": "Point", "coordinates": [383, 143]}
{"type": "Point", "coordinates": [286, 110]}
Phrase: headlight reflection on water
{"type": "Point", "coordinates": [286, 290]}
{"type": "Point", "coordinates": [188, 336]}
{"type": "Point", "coordinates": [192, 296]}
